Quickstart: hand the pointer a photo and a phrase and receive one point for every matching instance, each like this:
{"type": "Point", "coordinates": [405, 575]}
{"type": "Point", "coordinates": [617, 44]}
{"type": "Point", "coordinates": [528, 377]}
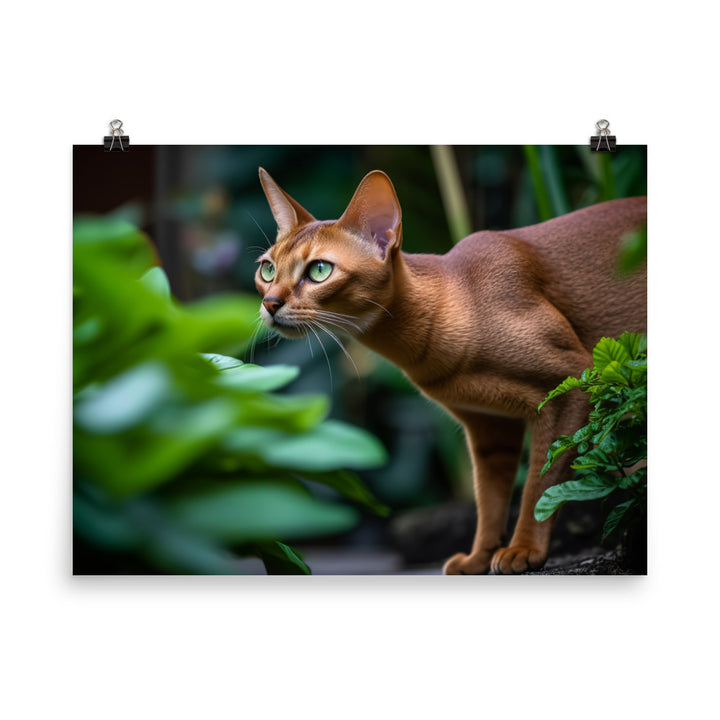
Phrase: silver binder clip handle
{"type": "Point", "coordinates": [116, 131]}
{"type": "Point", "coordinates": [603, 130]}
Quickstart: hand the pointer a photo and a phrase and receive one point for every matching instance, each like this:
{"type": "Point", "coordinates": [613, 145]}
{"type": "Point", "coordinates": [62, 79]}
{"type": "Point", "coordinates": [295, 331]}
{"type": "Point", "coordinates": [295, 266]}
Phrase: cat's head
{"type": "Point", "coordinates": [330, 274]}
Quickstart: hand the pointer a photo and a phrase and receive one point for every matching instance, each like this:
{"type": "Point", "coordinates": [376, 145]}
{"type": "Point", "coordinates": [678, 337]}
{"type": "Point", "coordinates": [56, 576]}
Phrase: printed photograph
{"type": "Point", "coordinates": [359, 360]}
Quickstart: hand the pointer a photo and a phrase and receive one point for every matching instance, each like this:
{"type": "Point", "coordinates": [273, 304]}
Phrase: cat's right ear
{"type": "Point", "coordinates": [288, 213]}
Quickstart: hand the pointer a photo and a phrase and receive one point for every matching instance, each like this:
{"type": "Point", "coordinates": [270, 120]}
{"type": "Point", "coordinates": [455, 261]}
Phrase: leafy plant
{"type": "Point", "coordinates": [615, 439]}
{"type": "Point", "coordinates": [184, 456]}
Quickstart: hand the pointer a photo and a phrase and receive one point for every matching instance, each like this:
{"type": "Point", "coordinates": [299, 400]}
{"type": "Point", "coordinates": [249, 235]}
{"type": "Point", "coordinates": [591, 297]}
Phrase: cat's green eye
{"type": "Point", "coordinates": [267, 271]}
{"type": "Point", "coordinates": [319, 270]}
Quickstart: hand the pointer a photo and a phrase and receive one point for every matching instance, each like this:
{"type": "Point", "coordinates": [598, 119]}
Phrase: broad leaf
{"type": "Point", "coordinates": [328, 446]}
{"type": "Point", "coordinates": [612, 374]}
{"type": "Point", "coordinates": [350, 487]}
{"type": "Point", "coordinates": [253, 378]}
{"type": "Point", "coordinates": [590, 487]}
{"type": "Point", "coordinates": [615, 517]}
{"type": "Point", "coordinates": [123, 401]}
{"type": "Point", "coordinates": [607, 350]}
{"type": "Point", "coordinates": [280, 559]}
{"type": "Point", "coordinates": [254, 510]}
{"type": "Point", "coordinates": [634, 343]}
{"type": "Point", "coordinates": [222, 362]}
{"type": "Point", "coordinates": [156, 281]}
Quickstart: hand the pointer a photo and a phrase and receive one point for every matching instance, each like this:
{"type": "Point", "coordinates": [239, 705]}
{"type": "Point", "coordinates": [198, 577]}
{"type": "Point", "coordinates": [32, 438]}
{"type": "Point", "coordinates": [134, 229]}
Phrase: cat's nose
{"type": "Point", "coordinates": [272, 304]}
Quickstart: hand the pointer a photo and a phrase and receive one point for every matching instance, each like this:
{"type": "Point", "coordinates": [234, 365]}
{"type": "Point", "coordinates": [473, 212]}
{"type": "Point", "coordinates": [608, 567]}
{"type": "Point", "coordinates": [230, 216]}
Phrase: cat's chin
{"type": "Point", "coordinates": [288, 331]}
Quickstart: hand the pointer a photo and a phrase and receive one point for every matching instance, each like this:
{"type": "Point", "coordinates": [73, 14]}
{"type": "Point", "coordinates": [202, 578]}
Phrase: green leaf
{"type": "Point", "coordinates": [612, 374]}
{"type": "Point", "coordinates": [110, 232]}
{"type": "Point", "coordinates": [615, 517]}
{"type": "Point", "coordinates": [220, 324]}
{"type": "Point", "coordinates": [636, 479]}
{"type": "Point", "coordinates": [609, 444]}
{"type": "Point", "coordinates": [253, 378]}
{"type": "Point", "coordinates": [258, 510]}
{"type": "Point", "coordinates": [563, 443]}
{"type": "Point", "coordinates": [634, 343]}
{"type": "Point", "coordinates": [350, 487]}
{"type": "Point", "coordinates": [607, 350]}
{"type": "Point", "coordinates": [328, 446]}
{"type": "Point", "coordinates": [156, 281]}
{"type": "Point", "coordinates": [568, 384]}
{"type": "Point", "coordinates": [291, 414]}
{"type": "Point", "coordinates": [589, 487]}
{"type": "Point", "coordinates": [280, 559]}
{"type": "Point", "coordinates": [102, 242]}
{"type": "Point", "coordinates": [596, 458]}
{"type": "Point", "coordinates": [222, 362]}
{"type": "Point", "coordinates": [123, 401]}
{"type": "Point", "coordinates": [175, 550]}
{"type": "Point", "coordinates": [142, 459]}
{"type": "Point", "coordinates": [584, 433]}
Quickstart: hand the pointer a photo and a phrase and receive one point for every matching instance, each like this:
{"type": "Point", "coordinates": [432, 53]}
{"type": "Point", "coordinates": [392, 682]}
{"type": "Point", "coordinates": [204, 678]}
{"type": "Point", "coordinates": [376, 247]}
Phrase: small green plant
{"type": "Point", "coordinates": [184, 457]}
{"type": "Point", "coordinates": [613, 441]}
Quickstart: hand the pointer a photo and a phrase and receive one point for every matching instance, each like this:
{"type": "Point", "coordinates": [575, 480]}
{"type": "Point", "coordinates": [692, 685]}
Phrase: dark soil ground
{"type": "Point", "coordinates": [426, 537]}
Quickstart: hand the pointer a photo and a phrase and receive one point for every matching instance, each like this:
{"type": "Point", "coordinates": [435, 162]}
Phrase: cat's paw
{"type": "Point", "coordinates": [462, 564]}
{"type": "Point", "coordinates": [517, 559]}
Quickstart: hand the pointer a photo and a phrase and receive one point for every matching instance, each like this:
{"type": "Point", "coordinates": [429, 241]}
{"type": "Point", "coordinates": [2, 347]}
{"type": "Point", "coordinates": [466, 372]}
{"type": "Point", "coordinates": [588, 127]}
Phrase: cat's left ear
{"type": "Point", "coordinates": [374, 213]}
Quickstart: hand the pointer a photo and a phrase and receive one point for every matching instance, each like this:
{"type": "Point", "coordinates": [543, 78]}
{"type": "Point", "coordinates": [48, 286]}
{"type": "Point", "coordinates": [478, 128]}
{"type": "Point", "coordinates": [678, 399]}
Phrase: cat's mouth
{"type": "Point", "coordinates": [287, 330]}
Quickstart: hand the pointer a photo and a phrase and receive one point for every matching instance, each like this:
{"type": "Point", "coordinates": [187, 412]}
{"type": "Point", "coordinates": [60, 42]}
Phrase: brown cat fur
{"type": "Point", "coordinates": [486, 330]}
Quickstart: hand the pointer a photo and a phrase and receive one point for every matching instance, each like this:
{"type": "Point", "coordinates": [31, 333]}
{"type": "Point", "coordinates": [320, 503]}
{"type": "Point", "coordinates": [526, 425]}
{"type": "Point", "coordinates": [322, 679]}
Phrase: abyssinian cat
{"type": "Point", "coordinates": [486, 330]}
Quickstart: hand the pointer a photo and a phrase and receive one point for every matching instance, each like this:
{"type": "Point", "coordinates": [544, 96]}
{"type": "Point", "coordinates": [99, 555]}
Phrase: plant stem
{"type": "Point", "coordinates": [451, 191]}
{"type": "Point", "coordinates": [532, 155]}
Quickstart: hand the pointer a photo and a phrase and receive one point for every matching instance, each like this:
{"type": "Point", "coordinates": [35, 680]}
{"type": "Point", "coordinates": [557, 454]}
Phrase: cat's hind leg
{"type": "Point", "coordinates": [495, 444]}
{"type": "Point", "coordinates": [528, 547]}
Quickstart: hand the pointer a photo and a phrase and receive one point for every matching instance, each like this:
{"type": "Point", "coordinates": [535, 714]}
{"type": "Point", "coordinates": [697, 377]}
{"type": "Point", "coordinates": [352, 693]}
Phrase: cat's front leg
{"type": "Point", "coordinates": [495, 444]}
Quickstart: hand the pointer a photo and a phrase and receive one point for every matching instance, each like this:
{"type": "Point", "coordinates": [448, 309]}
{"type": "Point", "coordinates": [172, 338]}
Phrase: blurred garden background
{"type": "Point", "coordinates": [201, 445]}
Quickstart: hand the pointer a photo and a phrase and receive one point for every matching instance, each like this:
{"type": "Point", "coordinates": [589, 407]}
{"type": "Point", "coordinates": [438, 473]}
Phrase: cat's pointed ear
{"type": "Point", "coordinates": [374, 213]}
{"type": "Point", "coordinates": [288, 213]}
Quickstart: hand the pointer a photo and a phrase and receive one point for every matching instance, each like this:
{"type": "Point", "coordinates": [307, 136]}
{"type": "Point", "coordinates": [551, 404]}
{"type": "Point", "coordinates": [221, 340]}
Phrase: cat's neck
{"type": "Point", "coordinates": [407, 329]}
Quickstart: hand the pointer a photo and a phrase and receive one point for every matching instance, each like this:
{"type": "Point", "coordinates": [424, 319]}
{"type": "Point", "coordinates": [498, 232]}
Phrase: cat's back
{"type": "Point", "coordinates": [597, 228]}
{"type": "Point", "coordinates": [585, 235]}
{"type": "Point", "coordinates": [571, 260]}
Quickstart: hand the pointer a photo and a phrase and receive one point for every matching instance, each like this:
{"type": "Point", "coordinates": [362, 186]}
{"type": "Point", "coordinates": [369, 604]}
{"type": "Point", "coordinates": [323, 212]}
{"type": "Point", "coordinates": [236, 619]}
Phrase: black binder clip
{"type": "Point", "coordinates": [603, 141]}
{"type": "Point", "coordinates": [116, 141]}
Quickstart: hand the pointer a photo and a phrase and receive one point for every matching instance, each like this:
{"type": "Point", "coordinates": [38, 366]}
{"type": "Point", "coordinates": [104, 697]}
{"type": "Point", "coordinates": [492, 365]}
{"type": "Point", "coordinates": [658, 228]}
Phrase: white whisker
{"type": "Point", "coordinates": [254, 337]}
{"type": "Point", "coordinates": [340, 345]}
{"type": "Point", "coordinates": [337, 319]}
{"type": "Point", "coordinates": [382, 307]}
{"type": "Point", "coordinates": [309, 325]}
{"type": "Point", "coordinates": [269, 242]}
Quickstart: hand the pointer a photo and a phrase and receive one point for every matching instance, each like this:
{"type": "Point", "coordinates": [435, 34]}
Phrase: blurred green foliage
{"type": "Point", "coordinates": [186, 459]}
